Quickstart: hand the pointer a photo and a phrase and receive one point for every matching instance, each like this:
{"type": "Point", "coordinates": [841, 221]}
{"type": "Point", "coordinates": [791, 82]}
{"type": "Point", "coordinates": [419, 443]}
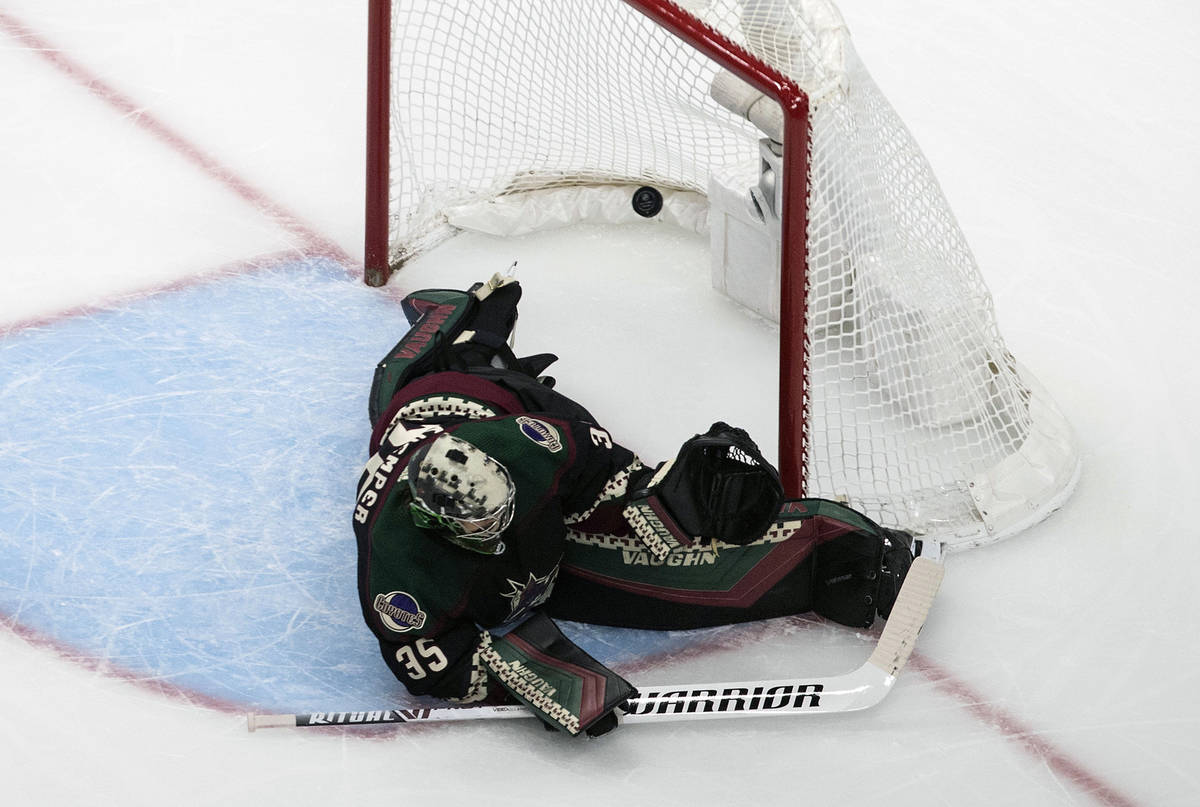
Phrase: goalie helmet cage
{"type": "Point", "coordinates": [897, 393]}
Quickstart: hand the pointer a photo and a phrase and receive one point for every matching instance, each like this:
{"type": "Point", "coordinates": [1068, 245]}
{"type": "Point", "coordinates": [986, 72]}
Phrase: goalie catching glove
{"type": "Point", "coordinates": [718, 487]}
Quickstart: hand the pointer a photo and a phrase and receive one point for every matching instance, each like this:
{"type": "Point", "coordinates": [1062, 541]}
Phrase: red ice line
{"type": "Point", "coordinates": [236, 268]}
{"type": "Point", "coordinates": [315, 244]}
{"type": "Point", "coordinates": [1014, 729]}
{"type": "Point", "coordinates": [108, 668]}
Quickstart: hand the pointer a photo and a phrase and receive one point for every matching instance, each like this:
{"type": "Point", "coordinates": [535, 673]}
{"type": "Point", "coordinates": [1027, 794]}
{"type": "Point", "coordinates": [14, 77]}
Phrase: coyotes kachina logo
{"type": "Point", "coordinates": [524, 597]}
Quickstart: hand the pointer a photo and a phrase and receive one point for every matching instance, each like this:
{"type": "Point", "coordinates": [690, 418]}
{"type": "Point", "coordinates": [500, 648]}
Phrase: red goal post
{"type": "Point", "coordinates": [765, 78]}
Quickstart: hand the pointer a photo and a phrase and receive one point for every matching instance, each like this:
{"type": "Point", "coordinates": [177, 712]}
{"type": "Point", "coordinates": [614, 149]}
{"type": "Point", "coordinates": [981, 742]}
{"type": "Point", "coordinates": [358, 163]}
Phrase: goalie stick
{"type": "Point", "coordinates": [860, 689]}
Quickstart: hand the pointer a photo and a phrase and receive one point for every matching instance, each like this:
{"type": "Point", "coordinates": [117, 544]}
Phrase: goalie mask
{"type": "Point", "coordinates": [462, 492]}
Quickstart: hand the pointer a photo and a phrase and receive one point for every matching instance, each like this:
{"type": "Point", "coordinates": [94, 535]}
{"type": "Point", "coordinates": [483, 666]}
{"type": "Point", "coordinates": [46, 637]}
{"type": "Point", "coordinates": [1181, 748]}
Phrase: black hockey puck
{"type": "Point", "coordinates": [647, 202]}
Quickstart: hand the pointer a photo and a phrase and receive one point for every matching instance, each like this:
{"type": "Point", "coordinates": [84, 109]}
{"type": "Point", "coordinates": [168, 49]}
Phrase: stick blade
{"type": "Point", "coordinates": [908, 616]}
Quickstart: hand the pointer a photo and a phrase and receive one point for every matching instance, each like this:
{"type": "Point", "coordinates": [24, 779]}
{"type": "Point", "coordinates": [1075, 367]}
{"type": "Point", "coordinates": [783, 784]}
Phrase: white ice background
{"type": "Point", "coordinates": [154, 144]}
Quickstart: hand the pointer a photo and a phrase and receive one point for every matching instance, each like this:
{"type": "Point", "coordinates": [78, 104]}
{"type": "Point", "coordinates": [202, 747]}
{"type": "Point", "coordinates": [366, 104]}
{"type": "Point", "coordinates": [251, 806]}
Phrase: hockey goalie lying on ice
{"type": "Point", "coordinates": [492, 503]}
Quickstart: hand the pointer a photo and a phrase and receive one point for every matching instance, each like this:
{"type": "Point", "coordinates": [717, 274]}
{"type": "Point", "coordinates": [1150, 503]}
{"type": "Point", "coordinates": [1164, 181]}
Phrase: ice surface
{"type": "Point", "coordinates": [183, 373]}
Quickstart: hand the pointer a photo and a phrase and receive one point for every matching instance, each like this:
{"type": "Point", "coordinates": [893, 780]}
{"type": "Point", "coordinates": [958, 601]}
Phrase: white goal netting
{"type": "Point", "coordinates": [917, 413]}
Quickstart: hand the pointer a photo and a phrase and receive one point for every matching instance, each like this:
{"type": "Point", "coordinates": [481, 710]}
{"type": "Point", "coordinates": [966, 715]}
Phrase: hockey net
{"type": "Point", "coordinates": [898, 394]}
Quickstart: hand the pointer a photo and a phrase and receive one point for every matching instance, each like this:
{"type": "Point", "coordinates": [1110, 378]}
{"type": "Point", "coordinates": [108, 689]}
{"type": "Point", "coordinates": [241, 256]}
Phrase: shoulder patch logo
{"type": "Point", "coordinates": [541, 433]}
{"type": "Point", "coordinates": [398, 610]}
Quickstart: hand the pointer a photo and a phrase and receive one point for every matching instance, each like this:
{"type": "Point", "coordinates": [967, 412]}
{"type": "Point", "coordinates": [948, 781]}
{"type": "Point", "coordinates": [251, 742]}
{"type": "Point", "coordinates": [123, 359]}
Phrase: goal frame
{"type": "Point", "coordinates": [795, 106]}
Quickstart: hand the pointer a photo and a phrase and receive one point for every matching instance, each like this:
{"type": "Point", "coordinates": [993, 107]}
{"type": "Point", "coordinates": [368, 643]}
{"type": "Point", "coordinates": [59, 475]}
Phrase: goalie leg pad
{"type": "Point", "coordinates": [453, 330]}
{"type": "Point", "coordinates": [897, 558]}
{"type": "Point", "coordinates": [858, 575]}
{"type": "Point", "coordinates": [436, 317]}
{"type": "Point", "coordinates": [543, 669]}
